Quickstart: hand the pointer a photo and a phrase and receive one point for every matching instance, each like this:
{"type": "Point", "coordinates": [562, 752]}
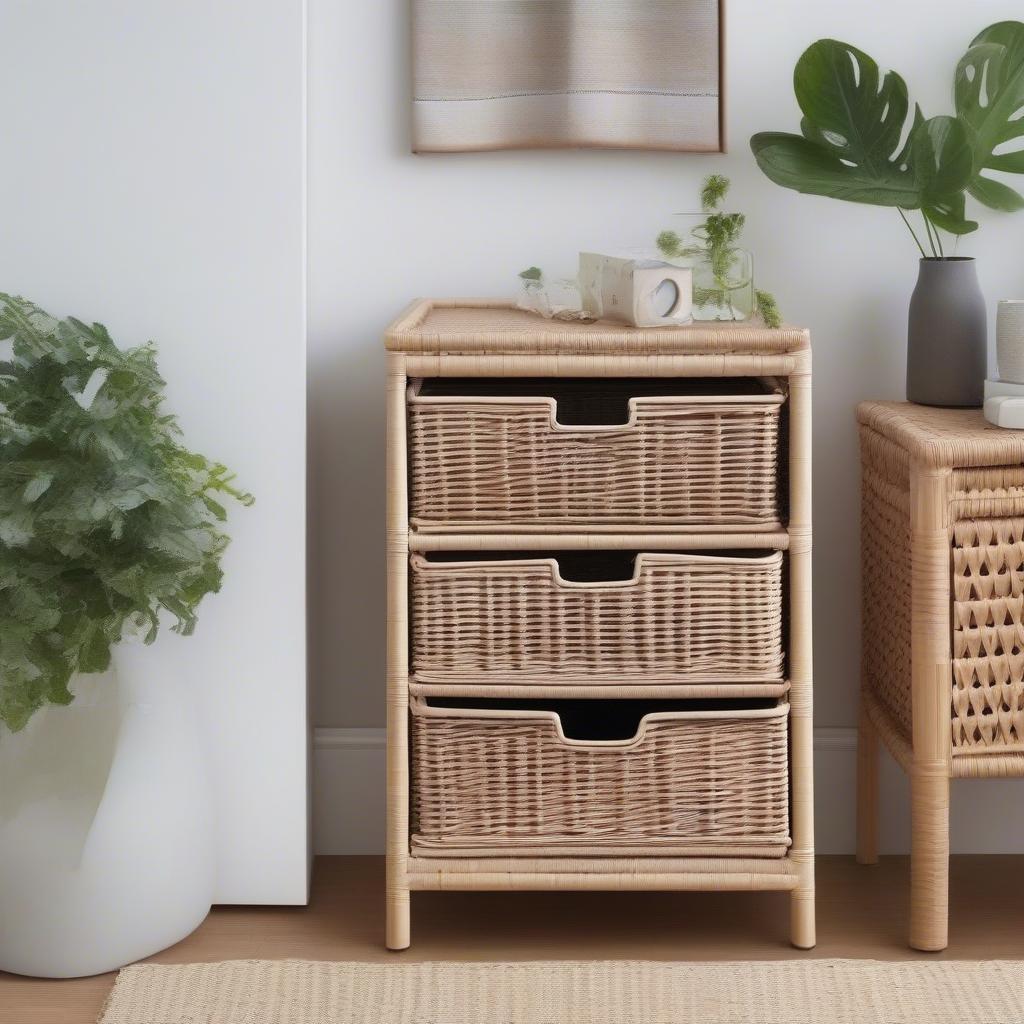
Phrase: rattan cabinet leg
{"type": "Point", "coordinates": [929, 857]}
{"type": "Point", "coordinates": [398, 916]}
{"type": "Point", "coordinates": [931, 679]}
{"type": "Point", "coordinates": [867, 791]}
{"type": "Point", "coordinates": [802, 931]}
{"type": "Point", "coordinates": [801, 701]}
{"type": "Point", "coordinates": [397, 841]}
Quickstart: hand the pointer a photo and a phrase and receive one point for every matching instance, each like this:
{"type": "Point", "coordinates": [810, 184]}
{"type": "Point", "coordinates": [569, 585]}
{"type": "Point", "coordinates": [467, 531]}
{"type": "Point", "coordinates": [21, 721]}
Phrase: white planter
{"type": "Point", "coordinates": [106, 837]}
{"type": "Point", "coordinates": [1010, 340]}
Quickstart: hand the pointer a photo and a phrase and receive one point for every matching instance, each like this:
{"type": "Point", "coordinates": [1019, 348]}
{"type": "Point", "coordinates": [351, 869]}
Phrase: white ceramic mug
{"type": "Point", "coordinates": [1010, 340]}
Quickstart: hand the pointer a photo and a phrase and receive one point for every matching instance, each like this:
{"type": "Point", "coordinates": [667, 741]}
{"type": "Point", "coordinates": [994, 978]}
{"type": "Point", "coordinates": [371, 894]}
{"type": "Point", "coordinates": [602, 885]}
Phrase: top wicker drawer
{"type": "Point", "coordinates": [599, 453]}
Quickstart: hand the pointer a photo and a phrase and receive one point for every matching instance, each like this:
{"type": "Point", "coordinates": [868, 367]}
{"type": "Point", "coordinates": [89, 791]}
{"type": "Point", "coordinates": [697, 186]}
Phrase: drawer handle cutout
{"type": "Point", "coordinates": [593, 569]}
{"type": "Point", "coordinates": [595, 403]}
{"type": "Point", "coordinates": [604, 723]}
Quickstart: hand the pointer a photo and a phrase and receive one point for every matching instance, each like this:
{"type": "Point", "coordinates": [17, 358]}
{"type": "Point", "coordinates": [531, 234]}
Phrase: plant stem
{"type": "Point", "coordinates": [917, 241]}
{"type": "Point", "coordinates": [931, 236]}
{"type": "Point", "coordinates": [933, 232]}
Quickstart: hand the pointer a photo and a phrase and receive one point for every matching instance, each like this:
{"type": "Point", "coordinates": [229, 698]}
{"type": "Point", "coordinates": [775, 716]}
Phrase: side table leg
{"type": "Point", "coordinates": [398, 912]}
{"type": "Point", "coordinates": [801, 915]}
{"type": "Point", "coordinates": [867, 791]}
{"type": "Point", "coordinates": [929, 857]}
{"type": "Point", "coordinates": [931, 682]}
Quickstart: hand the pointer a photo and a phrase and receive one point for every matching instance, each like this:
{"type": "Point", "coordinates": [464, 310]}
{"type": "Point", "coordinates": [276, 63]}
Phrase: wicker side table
{"type": "Point", "coordinates": [943, 624]}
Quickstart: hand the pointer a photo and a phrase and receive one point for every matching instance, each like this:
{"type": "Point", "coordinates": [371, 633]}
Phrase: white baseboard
{"type": "Point", "coordinates": [348, 799]}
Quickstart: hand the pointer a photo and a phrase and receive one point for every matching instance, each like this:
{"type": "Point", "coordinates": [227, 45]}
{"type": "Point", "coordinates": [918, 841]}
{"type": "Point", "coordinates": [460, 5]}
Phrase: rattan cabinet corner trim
{"type": "Point", "coordinates": [802, 928]}
{"type": "Point", "coordinates": [397, 837]}
{"type": "Point", "coordinates": [481, 338]}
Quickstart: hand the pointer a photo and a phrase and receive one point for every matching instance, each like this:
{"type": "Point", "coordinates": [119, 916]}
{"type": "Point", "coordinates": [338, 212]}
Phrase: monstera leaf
{"type": "Point", "coordinates": [942, 159]}
{"type": "Point", "coordinates": [852, 125]}
{"type": "Point", "coordinates": [989, 92]}
{"type": "Point", "coordinates": [854, 119]}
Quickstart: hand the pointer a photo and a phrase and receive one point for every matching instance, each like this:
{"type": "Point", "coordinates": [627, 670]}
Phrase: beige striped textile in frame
{"type": "Point", "coordinates": [526, 74]}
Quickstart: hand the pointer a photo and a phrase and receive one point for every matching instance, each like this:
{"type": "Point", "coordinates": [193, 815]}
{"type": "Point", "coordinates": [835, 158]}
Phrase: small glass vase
{"type": "Point", "coordinates": [720, 292]}
{"type": "Point", "coordinates": [724, 293]}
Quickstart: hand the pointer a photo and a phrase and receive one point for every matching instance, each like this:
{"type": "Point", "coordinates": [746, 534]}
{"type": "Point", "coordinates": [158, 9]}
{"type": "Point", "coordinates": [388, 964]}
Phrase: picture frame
{"type": "Point", "coordinates": [568, 74]}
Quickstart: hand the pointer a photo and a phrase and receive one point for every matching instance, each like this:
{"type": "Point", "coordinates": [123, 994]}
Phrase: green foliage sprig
{"type": "Point", "coordinates": [717, 244]}
{"type": "Point", "coordinates": [851, 144]}
{"type": "Point", "coordinates": [106, 520]}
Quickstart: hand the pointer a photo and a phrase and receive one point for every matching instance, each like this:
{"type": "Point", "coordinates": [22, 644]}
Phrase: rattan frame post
{"type": "Point", "coordinates": [397, 838]}
{"type": "Point", "coordinates": [802, 930]}
{"type": "Point", "coordinates": [924, 471]}
{"type": "Point", "coordinates": [930, 768]}
{"type": "Point", "coordinates": [496, 341]}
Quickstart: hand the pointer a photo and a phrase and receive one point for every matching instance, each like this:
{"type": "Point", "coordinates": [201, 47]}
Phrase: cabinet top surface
{"type": "Point", "coordinates": [495, 326]}
{"type": "Point", "coordinates": [944, 437]}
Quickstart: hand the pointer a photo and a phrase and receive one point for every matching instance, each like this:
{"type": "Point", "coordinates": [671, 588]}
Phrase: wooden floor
{"type": "Point", "coordinates": [861, 914]}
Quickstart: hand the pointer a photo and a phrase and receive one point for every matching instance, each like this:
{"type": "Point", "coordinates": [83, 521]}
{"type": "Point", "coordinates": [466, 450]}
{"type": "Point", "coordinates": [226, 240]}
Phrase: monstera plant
{"type": "Point", "coordinates": [854, 120]}
{"type": "Point", "coordinates": [860, 142]}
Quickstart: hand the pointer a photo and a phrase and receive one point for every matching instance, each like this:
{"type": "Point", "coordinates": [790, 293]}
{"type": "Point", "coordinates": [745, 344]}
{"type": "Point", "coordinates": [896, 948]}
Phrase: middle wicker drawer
{"type": "Point", "coordinates": [665, 618]}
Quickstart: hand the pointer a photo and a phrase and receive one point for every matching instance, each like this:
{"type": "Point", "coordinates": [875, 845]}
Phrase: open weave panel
{"type": "Point", "coordinates": [682, 615]}
{"type": "Point", "coordinates": [885, 577]}
{"type": "Point", "coordinates": [988, 635]}
{"type": "Point", "coordinates": [503, 782]}
{"type": "Point", "coordinates": [677, 463]}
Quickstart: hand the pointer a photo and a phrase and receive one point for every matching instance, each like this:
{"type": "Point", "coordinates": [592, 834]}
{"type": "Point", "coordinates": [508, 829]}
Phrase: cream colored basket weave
{"type": "Point", "coordinates": [988, 636]}
{"type": "Point", "coordinates": [679, 617]}
{"type": "Point", "coordinates": [490, 461]}
{"type": "Point", "coordinates": [689, 782]}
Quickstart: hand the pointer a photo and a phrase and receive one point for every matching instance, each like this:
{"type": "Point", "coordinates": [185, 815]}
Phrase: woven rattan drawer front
{"type": "Point", "coordinates": [988, 636]}
{"type": "Point", "coordinates": [499, 461]}
{"type": "Point", "coordinates": [499, 781]}
{"type": "Point", "coordinates": [679, 618]}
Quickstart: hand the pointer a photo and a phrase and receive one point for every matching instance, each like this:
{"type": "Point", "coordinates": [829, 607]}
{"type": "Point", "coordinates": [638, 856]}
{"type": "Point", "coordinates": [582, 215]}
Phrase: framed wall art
{"type": "Point", "coordinates": [523, 74]}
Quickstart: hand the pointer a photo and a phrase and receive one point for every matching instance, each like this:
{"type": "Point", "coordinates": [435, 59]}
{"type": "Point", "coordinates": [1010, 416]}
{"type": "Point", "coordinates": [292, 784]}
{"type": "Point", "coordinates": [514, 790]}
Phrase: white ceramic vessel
{"type": "Point", "coordinates": [1010, 340]}
{"type": "Point", "coordinates": [637, 292]}
{"type": "Point", "coordinates": [106, 825]}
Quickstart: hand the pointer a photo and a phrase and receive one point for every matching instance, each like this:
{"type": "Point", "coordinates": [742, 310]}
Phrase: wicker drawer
{"type": "Point", "coordinates": [661, 618]}
{"type": "Point", "coordinates": [493, 454]}
{"type": "Point", "coordinates": [685, 778]}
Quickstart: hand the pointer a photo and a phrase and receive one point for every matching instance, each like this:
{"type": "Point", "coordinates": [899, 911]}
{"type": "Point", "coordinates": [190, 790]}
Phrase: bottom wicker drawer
{"type": "Point", "coordinates": [679, 777]}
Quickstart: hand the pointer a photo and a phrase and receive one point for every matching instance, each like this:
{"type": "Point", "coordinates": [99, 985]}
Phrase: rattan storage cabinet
{"type": "Point", "coordinates": [943, 624]}
{"type": "Point", "coordinates": [599, 629]}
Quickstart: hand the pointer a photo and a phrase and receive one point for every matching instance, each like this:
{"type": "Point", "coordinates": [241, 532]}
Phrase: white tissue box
{"type": "Point", "coordinates": [637, 292]}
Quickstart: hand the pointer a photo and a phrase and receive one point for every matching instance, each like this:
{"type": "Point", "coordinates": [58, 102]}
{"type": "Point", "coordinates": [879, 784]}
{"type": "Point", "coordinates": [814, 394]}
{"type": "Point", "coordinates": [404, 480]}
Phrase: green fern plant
{"type": "Point", "coordinates": [106, 520]}
{"type": "Point", "coordinates": [717, 244]}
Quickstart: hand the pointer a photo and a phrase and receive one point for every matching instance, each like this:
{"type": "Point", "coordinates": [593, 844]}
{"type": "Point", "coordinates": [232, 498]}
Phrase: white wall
{"type": "Point", "coordinates": [386, 226]}
{"type": "Point", "coordinates": [152, 177]}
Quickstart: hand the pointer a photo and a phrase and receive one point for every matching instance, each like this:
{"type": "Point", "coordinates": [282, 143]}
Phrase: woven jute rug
{"type": "Point", "coordinates": [783, 992]}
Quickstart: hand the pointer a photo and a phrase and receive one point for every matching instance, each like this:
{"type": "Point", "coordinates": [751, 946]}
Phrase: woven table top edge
{"type": "Point", "coordinates": [976, 443]}
{"type": "Point", "coordinates": [410, 333]}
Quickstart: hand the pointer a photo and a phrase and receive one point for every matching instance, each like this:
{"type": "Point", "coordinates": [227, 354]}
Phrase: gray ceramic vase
{"type": "Point", "coordinates": [947, 336]}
